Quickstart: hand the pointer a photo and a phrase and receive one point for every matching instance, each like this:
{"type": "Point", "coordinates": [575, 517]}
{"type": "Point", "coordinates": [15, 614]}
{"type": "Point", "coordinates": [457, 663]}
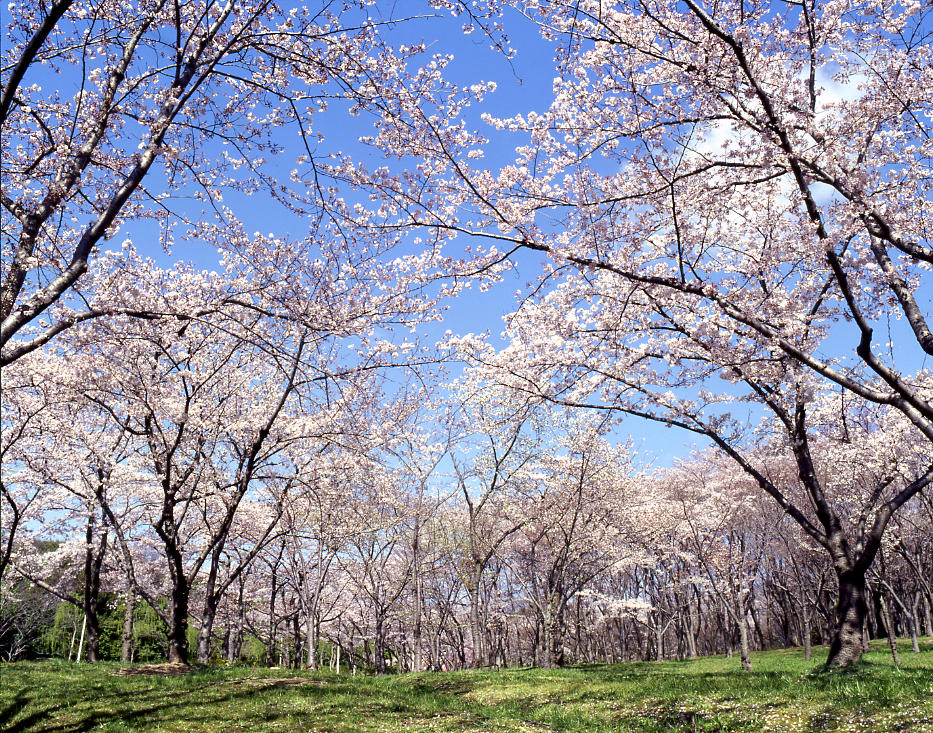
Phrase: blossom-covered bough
{"type": "Point", "coordinates": [159, 120]}
{"type": "Point", "coordinates": [734, 202]}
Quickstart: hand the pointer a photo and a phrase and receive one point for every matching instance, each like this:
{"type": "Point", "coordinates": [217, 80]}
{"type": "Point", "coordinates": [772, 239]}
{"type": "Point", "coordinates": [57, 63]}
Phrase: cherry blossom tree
{"type": "Point", "coordinates": [419, 454]}
{"type": "Point", "coordinates": [319, 524]}
{"type": "Point", "coordinates": [732, 201]}
{"type": "Point", "coordinates": [727, 534]}
{"type": "Point", "coordinates": [160, 120]}
{"type": "Point", "coordinates": [729, 201]}
{"type": "Point", "coordinates": [75, 469]}
{"type": "Point", "coordinates": [845, 512]}
{"type": "Point", "coordinates": [494, 486]}
{"type": "Point", "coordinates": [28, 400]}
{"type": "Point", "coordinates": [575, 529]}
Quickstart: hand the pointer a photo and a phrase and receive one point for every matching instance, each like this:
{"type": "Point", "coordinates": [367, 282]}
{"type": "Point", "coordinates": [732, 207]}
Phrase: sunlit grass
{"type": "Point", "coordinates": [784, 693]}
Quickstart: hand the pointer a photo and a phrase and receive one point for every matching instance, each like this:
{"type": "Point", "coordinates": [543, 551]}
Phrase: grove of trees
{"type": "Point", "coordinates": [238, 431]}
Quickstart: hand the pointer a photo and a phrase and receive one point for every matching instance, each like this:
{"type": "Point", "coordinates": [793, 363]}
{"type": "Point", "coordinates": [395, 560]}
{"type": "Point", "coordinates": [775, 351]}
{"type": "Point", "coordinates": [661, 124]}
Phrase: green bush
{"type": "Point", "coordinates": [62, 635]}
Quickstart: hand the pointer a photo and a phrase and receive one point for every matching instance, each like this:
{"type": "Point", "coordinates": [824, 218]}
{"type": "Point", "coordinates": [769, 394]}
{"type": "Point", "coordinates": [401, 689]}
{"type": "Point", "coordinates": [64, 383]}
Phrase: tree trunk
{"type": "Point", "coordinates": [273, 623]}
{"type": "Point", "coordinates": [379, 652]}
{"type": "Point", "coordinates": [889, 625]}
{"type": "Point", "coordinates": [126, 651]}
{"type": "Point", "coordinates": [81, 640]}
{"type": "Point", "coordinates": [235, 640]}
{"type": "Point", "coordinates": [807, 634]}
{"type": "Point", "coordinates": [692, 625]}
{"type": "Point", "coordinates": [417, 665]}
{"type": "Point", "coordinates": [914, 622]}
{"type": "Point", "coordinates": [928, 614]}
{"type": "Point", "coordinates": [311, 661]}
{"type": "Point", "coordinates": [537, 648]}
{"type": "Point", "coordinates": [93, 630]}
{"type": "Point", "coordinates": [207, 629]}
{"type": "Point", "coordinates": [477, 633]}
{"type": "Point", "coordinates": [93, 558]}
{"type": "Point", "coordinates": [727, 631]}
{"type": "Point", "coordinates": [743, 642]}
{"type": "Point", "coordinates": [553, 638]}
{"type": "Point", "coordinates": [846, 646]}
{"type": "Point", "coordinates": [178, 622]}
{"type": "Point", "coordinates": [759, 631]}
{"type": "Point", "coordinates": [623, 639]}
{"type": "Point", "coordinates": [658, 641]}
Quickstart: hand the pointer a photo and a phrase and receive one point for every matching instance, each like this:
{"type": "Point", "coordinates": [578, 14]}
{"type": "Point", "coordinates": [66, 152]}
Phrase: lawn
{"type": "Point", "coordinates": [784, 693]}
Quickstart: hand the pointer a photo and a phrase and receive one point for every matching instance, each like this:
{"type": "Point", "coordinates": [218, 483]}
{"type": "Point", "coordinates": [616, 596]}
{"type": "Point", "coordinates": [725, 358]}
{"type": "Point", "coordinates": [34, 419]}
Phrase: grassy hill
{"type": "Point", "coordinates": [784, 693]}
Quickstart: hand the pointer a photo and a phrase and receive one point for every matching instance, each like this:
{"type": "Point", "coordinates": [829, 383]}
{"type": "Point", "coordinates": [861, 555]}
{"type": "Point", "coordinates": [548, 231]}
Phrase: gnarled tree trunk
{"type": "Point", "coordinates": [845, 649]}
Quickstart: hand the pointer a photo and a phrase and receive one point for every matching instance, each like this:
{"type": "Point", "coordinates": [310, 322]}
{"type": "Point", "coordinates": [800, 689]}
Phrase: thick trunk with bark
{"type": "Point", "coordinates": [845, 649]}
{"type": "Point", "coordinates": [178, 614]}
{"type": "Point", "coordinates": [93, 559]}
{"type": "Point", "coordinates": [211, 600]}
{"type": "Point", "coordinates": [207, 629]}
{"type": "Point", "coordinates": [553, 638]}
{"type": "Point", "coordinates": [477, 632]}
{"type": "Point", "coordinates": [693, 624]}
{"type": "Point", "coordinates": [379, 651]}
{"type": "Point", "coordinates": [296, 639]}
{"type": "Point", "coordinates": [92, 626]}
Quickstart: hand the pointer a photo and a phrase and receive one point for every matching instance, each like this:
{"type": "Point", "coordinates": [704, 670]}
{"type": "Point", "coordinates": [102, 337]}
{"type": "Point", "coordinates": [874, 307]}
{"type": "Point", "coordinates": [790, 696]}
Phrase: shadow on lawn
{"type": "Point", "coordinates": [256, 702]}
{"type": "Point", "coordinates": [23, 724]}
{"type": "Point", "coordinates": [669, 698]}
{"type": "Point", "coordinates": [16, 704]}
{"type": "Point", "coordinates": [128, 701]}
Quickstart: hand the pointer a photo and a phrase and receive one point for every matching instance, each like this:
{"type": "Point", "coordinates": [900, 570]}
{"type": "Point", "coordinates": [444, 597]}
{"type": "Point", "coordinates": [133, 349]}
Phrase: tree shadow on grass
{"type": "Point", "coordinates": [27, 723]}
{"type": "Point", "coordinates": [8, 712]}
{"type": "Point", "coordinates": [136, 703]}
{"type": "Point", "coordinates": [672, 698]}
{"type": "Point", "coordinates": [447, 687]}
{"type": "Point", "coordinates": [255, 703]}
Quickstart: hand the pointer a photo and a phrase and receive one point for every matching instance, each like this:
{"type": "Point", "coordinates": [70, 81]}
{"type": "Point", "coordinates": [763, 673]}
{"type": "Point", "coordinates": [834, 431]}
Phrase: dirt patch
{"type": "Point", "coordinates": [276, 682]}
{"type": "Point", "coordinates": [292, 682]}
{"type": "Point", "coordinates": [162, 670]}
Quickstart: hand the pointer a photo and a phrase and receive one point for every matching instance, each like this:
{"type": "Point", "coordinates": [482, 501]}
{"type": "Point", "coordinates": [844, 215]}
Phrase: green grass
{"type": "Point", "coordinates": [784, 693]}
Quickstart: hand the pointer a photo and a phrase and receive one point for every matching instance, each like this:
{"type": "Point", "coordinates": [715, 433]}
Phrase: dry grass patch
{"type": "Point", "coordinates": [160, 670]}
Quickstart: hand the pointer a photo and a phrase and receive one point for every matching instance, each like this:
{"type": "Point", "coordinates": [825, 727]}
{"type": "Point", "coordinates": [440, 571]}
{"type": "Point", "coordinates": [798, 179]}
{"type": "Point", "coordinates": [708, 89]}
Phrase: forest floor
{"type": "Point", "coordinates": [783, 693]}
